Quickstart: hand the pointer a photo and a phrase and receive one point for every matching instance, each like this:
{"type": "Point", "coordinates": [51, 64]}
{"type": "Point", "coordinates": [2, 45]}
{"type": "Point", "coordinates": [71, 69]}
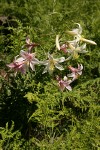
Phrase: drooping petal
{"type": "Point", "coordinates": [57, 42]}
{"type": "Point", "coordinates": [68, 87]}
{"type": "Point", "coordinates": [88, 41]}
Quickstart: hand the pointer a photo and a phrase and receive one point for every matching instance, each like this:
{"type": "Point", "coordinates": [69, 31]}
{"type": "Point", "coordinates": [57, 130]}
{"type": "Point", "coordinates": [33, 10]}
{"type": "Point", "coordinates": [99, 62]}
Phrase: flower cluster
{"type": "Point", "coordinates": [72, 49]}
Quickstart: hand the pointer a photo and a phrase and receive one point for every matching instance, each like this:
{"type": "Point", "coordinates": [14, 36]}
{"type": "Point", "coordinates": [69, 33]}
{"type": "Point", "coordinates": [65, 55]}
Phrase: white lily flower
{"type": "Point", "coordinates": [77, 35]}
{"type": "Point", "coordinates": [52, 63]}
{"type": "Point", "coordinates": [75, 49]}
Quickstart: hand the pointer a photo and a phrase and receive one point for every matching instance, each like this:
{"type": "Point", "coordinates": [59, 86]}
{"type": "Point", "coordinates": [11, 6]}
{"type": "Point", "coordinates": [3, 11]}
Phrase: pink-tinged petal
{"type": "Point", "coordinates": [30, 59]}
{"type": "Point", "coordinates": [32, 66]}
{"type": "Point", "coordinates": [19, 60]}
{"type": "Point", "coordinates": [64, 83]}
{"type": "Point", "coordinates": [23, 69]}
{"type": "Point", "coordinates": [18, 65]}
{"type": "Point", "coordinates": [11, 65]}
{"type": "Point", "coordinates": [64, 48]}
{"type": "Point", "coordinates": [23, 54]}
{"type": "Point", "coordinates": [61, 86]}
{"type": "Point", "coordinates": [76, 72]}
{"type": "Point", "coordinates": [30, 44]}
{"type": "Point", "coordinates": [28, 40]}
{"type": "Point", "coordinates": [73, 69]}
{"type": "Point", "coordinates": [69, 88]}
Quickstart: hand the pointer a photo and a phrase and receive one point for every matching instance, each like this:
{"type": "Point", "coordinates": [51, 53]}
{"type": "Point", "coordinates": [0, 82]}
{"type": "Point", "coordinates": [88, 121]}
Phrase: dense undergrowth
{"type": "Point", "coordinates": [34, 113]}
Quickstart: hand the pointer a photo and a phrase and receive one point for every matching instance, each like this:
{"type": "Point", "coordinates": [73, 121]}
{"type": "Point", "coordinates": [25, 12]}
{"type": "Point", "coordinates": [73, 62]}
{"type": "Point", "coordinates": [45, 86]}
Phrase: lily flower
{"type": "Point", "coordinates": [64, 83]}
{"type": "Point", "coordinates": [76, 72]}
{"type": "Point", "coordinates": [77, 35]}
{"type": "Point", "coordinates": [52, 63]}
{"type": "Point", "coordinates": [18, 65]}
{"type": "Point", "coordinates": [30, 44]}
{"type": "Point", "coordinates": [75, 49]}
{"type": "Point", "coordinates": [63, 47]}
{"type": "Point", "coordinates": [29, 58]}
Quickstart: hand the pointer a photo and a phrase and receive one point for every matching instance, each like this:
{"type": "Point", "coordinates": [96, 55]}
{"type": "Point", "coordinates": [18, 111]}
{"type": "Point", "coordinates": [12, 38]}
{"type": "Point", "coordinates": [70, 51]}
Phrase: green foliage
{"type": "Point", "coordinates": [9, 138]}
{"type": "Point", "coordinates": [34, 113]}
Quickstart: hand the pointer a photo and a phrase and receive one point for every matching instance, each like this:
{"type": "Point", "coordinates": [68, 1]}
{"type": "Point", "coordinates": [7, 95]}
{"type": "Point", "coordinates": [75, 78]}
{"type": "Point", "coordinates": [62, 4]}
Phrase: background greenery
{"type": "Point", "coordinates": [34, 114]}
